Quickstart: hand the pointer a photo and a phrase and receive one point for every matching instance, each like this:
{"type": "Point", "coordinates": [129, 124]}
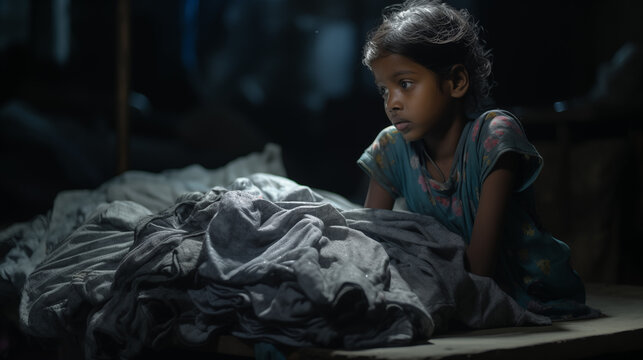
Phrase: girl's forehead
{"type": "Point", "coordinates": [392, 65]}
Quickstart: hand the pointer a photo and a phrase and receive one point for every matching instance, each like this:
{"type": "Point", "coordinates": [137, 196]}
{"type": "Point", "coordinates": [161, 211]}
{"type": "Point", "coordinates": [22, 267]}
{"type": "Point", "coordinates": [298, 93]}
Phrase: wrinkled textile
{"type": "Point", "coordinates": [263, 259]}
{"type": "Point", "coordinates": [23, 246]}
{"type": "Point", "coordinates": [303, 277]}
{"type": "Point", "coordinates": [430, 259]}
{"type": "Point", "coordinates": [299, 273]}
{"type": "Point", "coordinates": [149, 293]}
{"type": "Point", "coordinates": [78, 274]}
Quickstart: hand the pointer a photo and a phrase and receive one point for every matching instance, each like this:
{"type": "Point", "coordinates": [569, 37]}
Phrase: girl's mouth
{"type": "Point", "coordinates": [402, 125]}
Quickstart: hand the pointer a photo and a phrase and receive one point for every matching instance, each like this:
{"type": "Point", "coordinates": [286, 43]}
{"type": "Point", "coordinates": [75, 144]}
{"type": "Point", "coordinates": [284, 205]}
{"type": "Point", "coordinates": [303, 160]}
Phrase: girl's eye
{"type": "Point", "coordinates": [382, 90]}
{"type": "Point", "coordinates": [405, 84]}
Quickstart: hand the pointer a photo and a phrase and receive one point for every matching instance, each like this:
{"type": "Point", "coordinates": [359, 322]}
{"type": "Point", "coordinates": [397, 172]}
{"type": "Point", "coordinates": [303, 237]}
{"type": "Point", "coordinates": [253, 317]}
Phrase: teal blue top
{"type": "Point", "coordinates": [533, 266]}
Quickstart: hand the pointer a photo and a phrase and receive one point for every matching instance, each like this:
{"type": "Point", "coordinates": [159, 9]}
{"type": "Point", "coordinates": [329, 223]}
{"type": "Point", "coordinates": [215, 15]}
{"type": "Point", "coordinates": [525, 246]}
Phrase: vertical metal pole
{"type": "Point", "coordinates": [122, 84]}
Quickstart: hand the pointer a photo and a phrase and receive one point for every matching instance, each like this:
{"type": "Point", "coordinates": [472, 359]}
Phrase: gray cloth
{"type": "Point", "coordinates": [269, 260]}
{"type": "Point", "coordinates": [23, 246]}
{"type": "Point", "coordinates": [299, 273]}
{"type": "Point", "coordinates": [78, 274]}
{"type": "Point", "coordinates": [431, 261]}
{"type": "Point", "coordinates": [149, 297]}
{"type": "Point", "coordinates": [306, 277]}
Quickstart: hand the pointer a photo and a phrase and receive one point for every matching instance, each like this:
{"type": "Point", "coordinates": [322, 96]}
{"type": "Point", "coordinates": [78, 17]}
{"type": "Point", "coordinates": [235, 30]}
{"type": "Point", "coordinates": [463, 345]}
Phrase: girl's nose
{"type": "Point", "coordinates": [393, 103]}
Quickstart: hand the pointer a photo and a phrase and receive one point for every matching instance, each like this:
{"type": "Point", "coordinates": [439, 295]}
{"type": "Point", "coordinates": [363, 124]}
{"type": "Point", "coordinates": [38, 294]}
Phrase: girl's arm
{"type": "Point", "coordinates": [487, 227]}
{"type": "Point", "coordinates": [377, 197]}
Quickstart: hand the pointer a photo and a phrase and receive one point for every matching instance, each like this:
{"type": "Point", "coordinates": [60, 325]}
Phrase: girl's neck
{"type": "Point", "coordinates": [442, 145]}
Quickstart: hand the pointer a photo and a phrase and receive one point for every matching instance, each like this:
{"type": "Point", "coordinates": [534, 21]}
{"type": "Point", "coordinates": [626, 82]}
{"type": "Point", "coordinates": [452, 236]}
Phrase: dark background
{"type": "Point", "coordinates": [214, 80]}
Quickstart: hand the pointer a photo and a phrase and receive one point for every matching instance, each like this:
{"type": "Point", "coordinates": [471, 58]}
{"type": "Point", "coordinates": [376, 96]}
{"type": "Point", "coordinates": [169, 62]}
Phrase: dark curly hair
{"type": "Point", "coordinates": [436, 36]}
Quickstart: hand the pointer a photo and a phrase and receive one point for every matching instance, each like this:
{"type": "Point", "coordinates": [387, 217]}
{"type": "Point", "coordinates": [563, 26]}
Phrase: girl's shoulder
{"type": "Point", "coordinates": [497, 132]}
{"type": "Point", "coordinates": [497, 115]}
{"type": "Point", "coordinates": [496, 122]}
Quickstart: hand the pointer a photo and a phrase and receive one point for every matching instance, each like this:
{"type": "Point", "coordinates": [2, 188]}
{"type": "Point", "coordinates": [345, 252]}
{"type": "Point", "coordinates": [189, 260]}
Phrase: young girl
{"type": "Point", "coordinates": [474, 176]}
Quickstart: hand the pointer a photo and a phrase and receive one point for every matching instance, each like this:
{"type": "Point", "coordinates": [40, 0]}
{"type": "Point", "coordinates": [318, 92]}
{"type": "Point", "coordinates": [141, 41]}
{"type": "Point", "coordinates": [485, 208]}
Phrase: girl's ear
{"type": "Point", "coordinates": [459, 80]}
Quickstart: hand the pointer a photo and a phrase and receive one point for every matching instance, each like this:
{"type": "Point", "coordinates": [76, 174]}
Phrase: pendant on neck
{"type": "Point", "coordinates": [435, 165]}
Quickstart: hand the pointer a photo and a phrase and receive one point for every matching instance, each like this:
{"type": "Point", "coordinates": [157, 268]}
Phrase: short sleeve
{"type": "Point", "coordinates": [381, 160]}
{"type": "Point", "coordinates": [498, 132]}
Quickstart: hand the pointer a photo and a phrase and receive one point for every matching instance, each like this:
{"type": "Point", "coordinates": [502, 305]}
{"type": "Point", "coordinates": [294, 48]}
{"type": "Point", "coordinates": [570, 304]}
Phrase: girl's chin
{"type": "Point", "coordinates": [411, 136]}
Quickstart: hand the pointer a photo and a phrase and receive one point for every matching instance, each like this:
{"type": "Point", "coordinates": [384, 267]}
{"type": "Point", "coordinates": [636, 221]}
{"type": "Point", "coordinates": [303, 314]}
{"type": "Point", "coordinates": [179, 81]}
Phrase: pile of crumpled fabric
{"type": "Point", "coordinates": [263, 259]}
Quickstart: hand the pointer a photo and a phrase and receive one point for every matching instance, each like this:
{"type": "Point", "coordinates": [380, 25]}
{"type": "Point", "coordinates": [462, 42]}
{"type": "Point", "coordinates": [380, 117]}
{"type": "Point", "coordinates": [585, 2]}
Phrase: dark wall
{"type": "Point", "coordinates": [213, 80]}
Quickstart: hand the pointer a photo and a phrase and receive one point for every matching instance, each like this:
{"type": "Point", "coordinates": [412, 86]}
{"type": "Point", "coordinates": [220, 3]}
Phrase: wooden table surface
{"type": "Point", "coordinates": [619, 331]}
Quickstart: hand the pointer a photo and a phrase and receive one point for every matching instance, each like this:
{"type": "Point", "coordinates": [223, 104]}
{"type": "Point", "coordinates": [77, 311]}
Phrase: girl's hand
{"type": "Point", "coordinates": [488, 225]}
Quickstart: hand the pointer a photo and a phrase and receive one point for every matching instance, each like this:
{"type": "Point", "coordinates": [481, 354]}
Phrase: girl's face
{"type": "Point", "coordinates": [416, 101]}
